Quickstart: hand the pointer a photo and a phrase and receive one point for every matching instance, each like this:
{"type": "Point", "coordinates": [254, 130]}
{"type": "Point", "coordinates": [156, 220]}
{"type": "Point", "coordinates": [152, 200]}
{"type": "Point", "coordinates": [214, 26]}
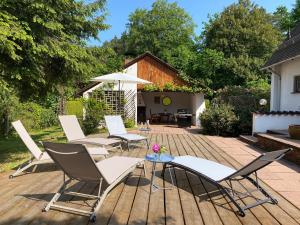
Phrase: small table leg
{"type": "Point", "coordinates": [155, 187]}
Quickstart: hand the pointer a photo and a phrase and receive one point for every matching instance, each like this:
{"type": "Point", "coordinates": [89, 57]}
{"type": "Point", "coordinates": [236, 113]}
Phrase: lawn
{"type": "Point", "coordinates": [13, 151]}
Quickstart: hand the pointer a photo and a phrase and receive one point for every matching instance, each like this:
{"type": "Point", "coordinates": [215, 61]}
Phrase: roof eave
{"type": "Point", "coordinates": [280, 62]}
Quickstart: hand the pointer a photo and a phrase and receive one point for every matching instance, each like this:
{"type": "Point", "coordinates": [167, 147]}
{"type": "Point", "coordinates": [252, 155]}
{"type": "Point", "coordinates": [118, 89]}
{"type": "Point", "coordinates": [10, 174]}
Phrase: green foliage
{"type": "Point", "coordinates": [171, 87]}
{"type": "Point", "coordinates": [8, 102]}
{"type": "Point", "coordinates": [244, 102]}
{"type": "Point", "coordinates": [75, 107]}
{"type": "Point", "coordinates": [234, 46]}
{"type": "Point", "coordinates": [34, 116]}
{"type": "Point", "coordinates": [42, 43]}
{"type": "Point", "coordinates": [129, 123]}
{"type": "Point", "coordinates": [14, 152]}
{"type": "Point", "coordinates": [284, 20]}
{"type": "Point", "coordinates": [94, 113]}
{"type": "Point", "coordinates": [219, 119]}
{"type": "Point", "coordinates": [165, 30]}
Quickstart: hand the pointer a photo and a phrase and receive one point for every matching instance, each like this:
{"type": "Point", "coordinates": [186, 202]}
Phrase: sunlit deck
{"type": "Point", "coordinates": [191, 201]}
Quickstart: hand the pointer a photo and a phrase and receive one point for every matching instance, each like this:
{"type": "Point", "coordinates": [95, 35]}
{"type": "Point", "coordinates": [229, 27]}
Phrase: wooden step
{"type": "Point", "coordinates": [249, 139]}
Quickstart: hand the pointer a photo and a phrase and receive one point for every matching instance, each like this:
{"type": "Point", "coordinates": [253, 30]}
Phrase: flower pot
{"type": "Point", "coordinates": [294, 131]}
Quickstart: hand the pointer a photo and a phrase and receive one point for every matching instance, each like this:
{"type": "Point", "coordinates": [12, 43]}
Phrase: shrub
{"type": "Point", "coordinates": [219, 119]}
{"type": "Point", "coordinates": [129, 123]}
{"type": "Point", "coordinates": [75, 107]}
{"type": "Point", "coordinates": [244, 101]}
{"type": "Point", "coordinates": [34, 116]}
{"type": "Point", "coordinates": [8, 104]}
{"type": "Point", "coordinates": [94, 113]}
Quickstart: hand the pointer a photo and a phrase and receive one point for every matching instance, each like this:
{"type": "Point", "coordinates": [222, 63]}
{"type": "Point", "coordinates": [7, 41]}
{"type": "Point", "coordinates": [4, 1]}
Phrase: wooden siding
{"type": "Point", "coordinates": [156, 72]}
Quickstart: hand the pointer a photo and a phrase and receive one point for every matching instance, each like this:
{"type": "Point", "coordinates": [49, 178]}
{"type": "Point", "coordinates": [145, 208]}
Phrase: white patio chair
{"type": "Point", "coordinates": [75, 134]}
{"type": "Point", "coordinates": [77, 164]}
{"type": "Point", "coordinates": [39, 157]}
{"type": "Point", "coordinates": [216, 173]}
{"type": "Point", "coordinates": [117, 129]}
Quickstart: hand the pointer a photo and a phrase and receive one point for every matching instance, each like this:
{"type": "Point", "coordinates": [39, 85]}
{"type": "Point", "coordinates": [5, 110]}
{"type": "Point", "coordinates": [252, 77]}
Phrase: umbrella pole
{"type": "Point", "coordinates": [119, 96]}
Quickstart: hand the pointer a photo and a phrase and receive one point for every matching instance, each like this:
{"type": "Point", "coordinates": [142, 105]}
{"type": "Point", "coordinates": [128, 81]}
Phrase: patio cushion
{"type": "Point", "coordinates": [116, 166]}
{"type": "Point", "coordinates": [210, 169]}
{"type": "Point", "coordinates": [131, 137]}
{"type": "Point", "coordinates": [94, 141]}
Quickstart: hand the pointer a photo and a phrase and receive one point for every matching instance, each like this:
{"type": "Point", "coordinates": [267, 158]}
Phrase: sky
{"type": "Point", "coordinates": [119, 10]}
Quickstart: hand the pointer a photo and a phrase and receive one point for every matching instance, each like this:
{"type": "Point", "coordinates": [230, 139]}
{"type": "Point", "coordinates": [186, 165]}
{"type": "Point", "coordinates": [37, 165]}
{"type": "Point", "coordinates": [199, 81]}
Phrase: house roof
{"type": "Point", "coordinates": [153, 57]}
{"type": "Point", "coordinates": [288, 50]}
{"type": "Point", "coordinates": [86, 88]}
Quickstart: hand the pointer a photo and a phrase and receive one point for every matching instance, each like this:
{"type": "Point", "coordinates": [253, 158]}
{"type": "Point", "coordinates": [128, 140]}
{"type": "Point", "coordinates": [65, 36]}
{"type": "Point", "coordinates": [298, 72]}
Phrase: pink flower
{"type": "Point", "coordinates": [155, 148]}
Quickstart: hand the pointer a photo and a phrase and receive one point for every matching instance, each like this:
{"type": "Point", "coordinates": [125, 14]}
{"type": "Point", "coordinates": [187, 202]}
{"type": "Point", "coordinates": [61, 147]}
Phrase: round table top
{"type": "Point", "coordinates": [163, 158]}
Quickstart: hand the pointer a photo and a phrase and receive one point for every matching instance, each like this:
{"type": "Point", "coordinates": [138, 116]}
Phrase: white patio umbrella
{"type": "Point", "coordinates": [119, 78]}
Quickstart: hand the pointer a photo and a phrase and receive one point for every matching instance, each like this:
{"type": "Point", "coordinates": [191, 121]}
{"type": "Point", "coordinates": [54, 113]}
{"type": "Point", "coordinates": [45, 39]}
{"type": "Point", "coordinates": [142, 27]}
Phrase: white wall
{"type": "Point", "coordinates": [263, 122]}
{"type": "Point", "coordinates": [194, 103]}
{"type": "Point", "coordinates": [129, 89]}
{"type": "Point", "coordinates": [289, 101]}
{"type": "Point", "coordinates": [198, 106]}
{"type": "Point", "coordinates": [275, 92]}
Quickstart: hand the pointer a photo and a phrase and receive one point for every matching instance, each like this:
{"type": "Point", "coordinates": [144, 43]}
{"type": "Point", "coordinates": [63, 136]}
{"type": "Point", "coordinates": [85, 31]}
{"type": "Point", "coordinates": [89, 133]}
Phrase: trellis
{"type": "Point", "coordinates": [114, 100]}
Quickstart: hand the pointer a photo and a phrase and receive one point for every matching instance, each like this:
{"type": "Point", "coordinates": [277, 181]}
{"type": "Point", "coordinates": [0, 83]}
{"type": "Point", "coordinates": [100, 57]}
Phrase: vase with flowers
{"type": "Point", "coordinates": [159, 149]}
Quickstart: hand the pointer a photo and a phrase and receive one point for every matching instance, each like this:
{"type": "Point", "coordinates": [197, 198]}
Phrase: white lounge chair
{"type": "Point", "coordinates": [39, 157]}
{"type": "Point", "coordinates": [75, 134]}
{"type": "Point", "coordinates": [117, 129]}
{"type": "Point", "coordinates": [216, 173]}
{"type": "Point", "coordinates": [77, 164]}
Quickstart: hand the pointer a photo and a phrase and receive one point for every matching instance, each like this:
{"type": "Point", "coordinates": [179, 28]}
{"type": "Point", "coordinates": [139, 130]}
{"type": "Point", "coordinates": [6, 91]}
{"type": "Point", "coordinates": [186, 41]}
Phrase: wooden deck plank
{"type": "Point", "coordinates": [172, 199]}
{"type": "Point", "coordinates": [250, 218]}
{"type": "Point", "coordinates": [191, 201]}
{"type": "Point", "coordinates": [139, 211]}
{"type": "Point", "coordinates": [25, 206]}
{"type": "Point", "coordinates": [189, 206]}
{"type": "Point", "coordinates": [125, 204]}
{"type": "Point", "coordinates": [276, 214]}
{"type": "Point", "coordinates": [281, 210]}
{"type": "Point", "coordinates": [226, 215]}
{"type": "Point", "coordinates": [259, 212]}
{"type": "Point", "coordinates": [106, 213]}
{"type": "Point", "coordinates": [156, 212]}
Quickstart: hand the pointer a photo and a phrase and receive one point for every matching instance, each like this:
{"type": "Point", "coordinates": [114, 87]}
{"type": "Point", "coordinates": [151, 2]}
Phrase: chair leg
{"type": "Point", "coordinates": [24, 166]}
{"type": "Point", "coordinates": [147, 142]}
{"type": "Point", "coordinates": [263, 191]}
{"type": "Point", "coordinates": [145, 170]}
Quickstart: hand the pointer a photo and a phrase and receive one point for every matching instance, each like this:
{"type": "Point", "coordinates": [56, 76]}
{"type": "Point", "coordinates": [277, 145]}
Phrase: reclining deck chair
{"type": "Point", "coordinates": [117, 129]}
{"type": "Point", "coordinates": [75, 134]}
{"type": "Point", "coordinates": [77, 164]}
{"type": "Point", "coordinates": [216, 173]}
{"type": "Point", "coordinates": [39, 157]}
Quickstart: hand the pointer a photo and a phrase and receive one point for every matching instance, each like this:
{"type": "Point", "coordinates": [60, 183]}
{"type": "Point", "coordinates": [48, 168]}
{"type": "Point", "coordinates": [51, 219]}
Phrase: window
{"type": "Point", "coordinates": [297, 84]}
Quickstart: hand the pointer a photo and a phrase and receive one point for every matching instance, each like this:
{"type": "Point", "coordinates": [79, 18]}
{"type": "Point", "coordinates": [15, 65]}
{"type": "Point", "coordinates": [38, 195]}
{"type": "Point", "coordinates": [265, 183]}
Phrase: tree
{"type": "Point", "coordinates": [283, 20]}
{"type": "Point", "coordinates": [244, 35]}
{"type": "Point", "coordinates": [165, 30]}
{"type": "Point", "coordinates": [42, 43]}
{"type": "Point", "coordinates": [295, 13]}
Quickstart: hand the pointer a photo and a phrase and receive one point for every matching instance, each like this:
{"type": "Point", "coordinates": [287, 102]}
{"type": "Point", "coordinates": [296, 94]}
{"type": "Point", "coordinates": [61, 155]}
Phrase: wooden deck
{"type": "Point", "coordinates": [191, 201]}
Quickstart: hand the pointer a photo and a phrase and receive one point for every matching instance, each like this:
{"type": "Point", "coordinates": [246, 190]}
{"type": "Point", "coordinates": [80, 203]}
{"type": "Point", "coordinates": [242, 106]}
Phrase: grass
{"type": "Point", "coordinates": [13, 152]}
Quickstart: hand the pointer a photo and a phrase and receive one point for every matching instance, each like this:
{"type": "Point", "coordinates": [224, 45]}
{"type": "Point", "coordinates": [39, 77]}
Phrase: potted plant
{"type": "Point", "coordinates": [294, 131]}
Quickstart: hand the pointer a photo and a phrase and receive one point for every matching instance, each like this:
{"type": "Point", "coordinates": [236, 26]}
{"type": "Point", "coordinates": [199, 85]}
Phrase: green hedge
{"type": "Point", "coordinates": [35, 116]}
{"type": "Point", "coordinates": [74, 107]}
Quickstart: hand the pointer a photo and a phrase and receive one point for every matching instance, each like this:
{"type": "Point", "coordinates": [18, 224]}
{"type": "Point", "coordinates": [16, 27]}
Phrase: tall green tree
{"type": "Point", "coordinates": [243, 37]}
{"type": "Point", "coordinates": [42, 42]}
{"type": "Point", "coordinates": [286, 20]}
{"type": "Point", "coordinates": [165, 30]}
